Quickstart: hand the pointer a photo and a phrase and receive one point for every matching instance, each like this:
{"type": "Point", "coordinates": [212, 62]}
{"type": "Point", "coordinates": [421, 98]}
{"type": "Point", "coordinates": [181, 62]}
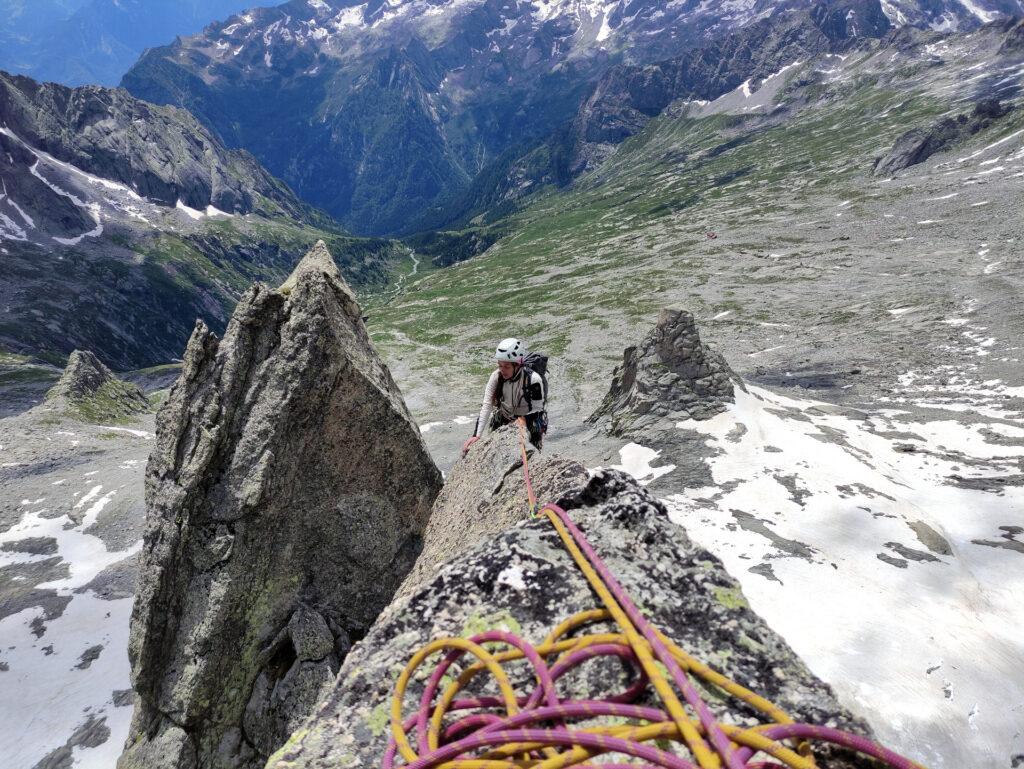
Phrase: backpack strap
{"type": "Point", "coordinates": [527, 381]}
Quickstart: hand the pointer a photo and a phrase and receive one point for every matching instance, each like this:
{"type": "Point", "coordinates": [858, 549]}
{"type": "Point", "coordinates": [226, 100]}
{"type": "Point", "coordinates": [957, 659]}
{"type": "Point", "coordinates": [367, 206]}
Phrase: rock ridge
{"type": "Point", "coordinates": [524, 581]}
{"type": "Point", "coordinates": [484, 495]}
{"type": "Point", "coordinates": [162, 153]}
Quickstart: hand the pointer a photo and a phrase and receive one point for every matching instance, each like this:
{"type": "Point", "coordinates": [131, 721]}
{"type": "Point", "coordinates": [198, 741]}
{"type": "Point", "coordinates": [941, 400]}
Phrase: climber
{"type": "Point", "coordinates": [517, 388]}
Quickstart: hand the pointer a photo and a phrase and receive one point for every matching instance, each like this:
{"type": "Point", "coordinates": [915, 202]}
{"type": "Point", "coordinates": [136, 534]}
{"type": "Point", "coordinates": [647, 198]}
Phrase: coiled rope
{"type": "Point", "coordinates": [540, 730]}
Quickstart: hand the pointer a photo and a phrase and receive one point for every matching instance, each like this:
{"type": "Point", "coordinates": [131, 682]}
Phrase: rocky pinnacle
{"type": "Point", "coordinates": [89, 390]}
{"type": "Point", "coordinates": [286, 498]}
{"type": "Point", "coordinates": [670, 374]}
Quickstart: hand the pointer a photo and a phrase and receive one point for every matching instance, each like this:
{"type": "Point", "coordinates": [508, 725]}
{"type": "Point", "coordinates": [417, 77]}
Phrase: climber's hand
{"type": "Point", "coordinates": [469, 442]}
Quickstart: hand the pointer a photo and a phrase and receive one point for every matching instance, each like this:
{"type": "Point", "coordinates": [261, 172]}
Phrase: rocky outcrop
{"type": "Point", "coordinates": [486, 494]}
{"type": "Point", "coordinates": [286, 496]}
{"type": "Point", "coordinates": [89, 391]}
{"type": "Point", "coordinates": [671, 374]}
{"type": "Point", "coordinates": [523, 580]}
{"type": "Point", "coordinates": [919, 144]}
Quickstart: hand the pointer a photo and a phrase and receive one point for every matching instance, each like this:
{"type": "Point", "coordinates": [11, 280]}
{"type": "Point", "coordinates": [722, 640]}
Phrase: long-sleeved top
{"type": "Point", "coordinates": [508, 397]}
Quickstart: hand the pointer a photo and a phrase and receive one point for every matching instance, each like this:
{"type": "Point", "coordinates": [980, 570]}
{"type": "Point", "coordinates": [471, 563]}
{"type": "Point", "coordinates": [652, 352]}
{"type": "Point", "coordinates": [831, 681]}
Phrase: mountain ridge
{"type": "Point", "coordinates": [122, 221]}
{"type": "Point", "coordinates": [77, 42]}
{"type": "Point", "coordinates": [384, 113]}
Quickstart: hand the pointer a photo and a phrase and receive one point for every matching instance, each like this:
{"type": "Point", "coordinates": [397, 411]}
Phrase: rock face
{"type": "Point", "coordinates": [671, 374]}
{"type": "Point", "coordinates": [1014, 42]}
{"type": "Point", "coordinates": [90, 391]}
{"type": "Point", "coordinates": [919, 144]}
{"type": "Point", "coordinates": [628, 95]}
{"type": "Point", "coordinates": [525, 581]}
{"type": "Point", "coordinates": [484, 495]}
{"type": "Point", "coordinates": [286, 499]}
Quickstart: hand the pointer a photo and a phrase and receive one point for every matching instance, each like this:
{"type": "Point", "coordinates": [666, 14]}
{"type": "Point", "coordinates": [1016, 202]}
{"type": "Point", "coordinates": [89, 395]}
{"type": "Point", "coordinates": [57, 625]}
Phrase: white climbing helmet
{"type": "Point", "coordinates": [510, 350]}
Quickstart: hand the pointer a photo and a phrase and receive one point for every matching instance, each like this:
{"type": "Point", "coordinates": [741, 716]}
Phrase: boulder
{"type": "Point", "coordinates": [89, 391]}
{"type": "Point", "coordinates": [670, 376]}
{"type": "Point", "coordinates": [486, 494]}
{"type": "Point", "coordinates": [287, 495]}
{"type": "Point", "coordinates": [524, 581]}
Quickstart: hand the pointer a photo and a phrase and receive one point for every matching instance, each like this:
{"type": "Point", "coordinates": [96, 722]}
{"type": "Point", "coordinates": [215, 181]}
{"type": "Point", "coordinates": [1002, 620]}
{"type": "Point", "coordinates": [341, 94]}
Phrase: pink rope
{"type": "Point", "coordinates": [478, 730]}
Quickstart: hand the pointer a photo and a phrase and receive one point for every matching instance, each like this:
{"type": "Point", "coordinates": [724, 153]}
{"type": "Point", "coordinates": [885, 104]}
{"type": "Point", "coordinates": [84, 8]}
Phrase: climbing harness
{"type": "Point", "coordinates": [537, 731]}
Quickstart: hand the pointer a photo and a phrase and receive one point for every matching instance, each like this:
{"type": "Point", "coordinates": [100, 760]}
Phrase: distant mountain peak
{"type": "Point", "coordinates": [382, 112]}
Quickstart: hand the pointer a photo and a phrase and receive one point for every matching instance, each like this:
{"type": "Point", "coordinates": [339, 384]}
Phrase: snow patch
{"type": "Point", "coordinates": [349, 17]}
{"type": "Point", "coordinates": [137, 433]}
{"type": "Point", "coordinates": [89, 496]}
{"type": "Point", "coordinates": [605, 32]}
{"type": "Point", "coordinates": [995, 144]}
{"type": "Point", "coordinates": [54, 697]}
{"type": "Point", "coordinates": [636, 460]}
{"type": "Point", "coordinates": [984, 16]}
{"type": "Point", "coordinates": [851, 494]}
{"type": "Point", "coordinates": [192, 213]}
{"type": "Point", "coordinates": [92, 208]}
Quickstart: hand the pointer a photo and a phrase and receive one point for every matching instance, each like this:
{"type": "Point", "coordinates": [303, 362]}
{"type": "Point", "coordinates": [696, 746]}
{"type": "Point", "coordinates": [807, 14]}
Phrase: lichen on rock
{"type": "Point", "coordinates": [681, 587]}
{"type": "Point", "coordinates": [486, 494]}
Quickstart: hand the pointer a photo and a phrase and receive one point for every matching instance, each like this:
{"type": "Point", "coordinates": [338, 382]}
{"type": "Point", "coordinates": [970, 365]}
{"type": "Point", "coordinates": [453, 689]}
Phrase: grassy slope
{"type": "Point", "coordinates": [791, 200]}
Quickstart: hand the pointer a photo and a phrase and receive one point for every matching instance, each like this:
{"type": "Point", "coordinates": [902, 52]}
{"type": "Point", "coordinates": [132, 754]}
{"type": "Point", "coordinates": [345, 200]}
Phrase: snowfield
{"type": "Point", "coordinates": [70, 540]}
{"type": "Point", "coordinates": [889, 551]}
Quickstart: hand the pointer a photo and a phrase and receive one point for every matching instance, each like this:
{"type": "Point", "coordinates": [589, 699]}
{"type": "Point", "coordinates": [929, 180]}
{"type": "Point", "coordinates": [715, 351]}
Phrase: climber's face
{"type": "Point", "coordinates": [508, 370]}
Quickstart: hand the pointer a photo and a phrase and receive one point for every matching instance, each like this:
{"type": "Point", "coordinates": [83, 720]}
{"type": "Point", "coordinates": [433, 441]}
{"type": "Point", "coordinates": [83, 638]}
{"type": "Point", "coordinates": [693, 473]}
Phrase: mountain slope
{"type": "Point", "coordinates": [876, 319]}
{"type": "Point", "coordinates": [121, 222]}
{"type": "Point", "coordinates": [384, 113]}
{"type": "Point", "coordinates": [627, 96]}
{"type": "Point", "coordinates": [95, 41]}
{"type": "Point", "coordinates": [750, 165]}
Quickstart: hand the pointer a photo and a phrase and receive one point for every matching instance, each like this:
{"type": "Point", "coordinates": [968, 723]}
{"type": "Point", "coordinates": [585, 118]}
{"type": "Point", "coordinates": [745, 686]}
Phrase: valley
{"type": "Point", "coordinates": [844, 225]}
